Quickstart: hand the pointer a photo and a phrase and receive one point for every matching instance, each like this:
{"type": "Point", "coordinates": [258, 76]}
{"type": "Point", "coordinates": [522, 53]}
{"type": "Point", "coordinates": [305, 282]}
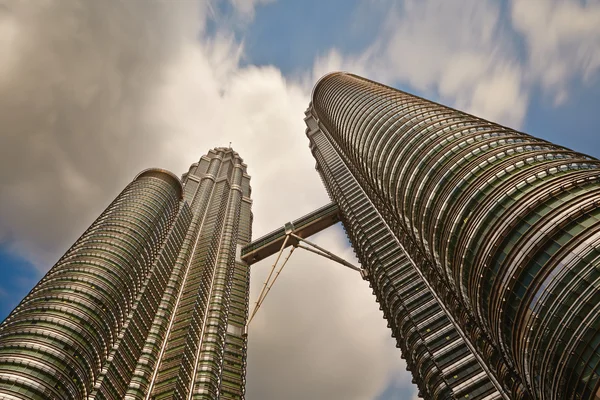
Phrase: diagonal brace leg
{"type": "Point", "coordinates": [262, 291]}
{"type": "Point", "coordinates": [325, 253]}
{"type": "Point", "coordinates": [262, 299]}
{"type": "Point", "coordinates": [268, 284]}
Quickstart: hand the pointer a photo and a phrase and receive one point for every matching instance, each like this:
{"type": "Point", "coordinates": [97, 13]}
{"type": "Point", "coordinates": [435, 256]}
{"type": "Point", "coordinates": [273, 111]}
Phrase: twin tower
{"type": "Point", "coordinates": [481, 244]}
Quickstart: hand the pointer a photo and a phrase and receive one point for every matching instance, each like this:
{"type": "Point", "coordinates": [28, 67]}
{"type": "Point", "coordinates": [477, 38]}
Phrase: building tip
{"type": "Point", "coordinates": [321, 79]}
{"type": "Point", "coordinates": [165, 175]}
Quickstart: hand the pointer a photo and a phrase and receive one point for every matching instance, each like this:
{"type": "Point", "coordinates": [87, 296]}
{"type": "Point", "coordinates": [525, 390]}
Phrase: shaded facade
{"type": "Point", "coordinates": [149, 303]}
{"type": "Point", "coordinates": [481, 243]}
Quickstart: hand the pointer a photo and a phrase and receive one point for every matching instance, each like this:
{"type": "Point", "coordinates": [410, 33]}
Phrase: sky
{"type": "Point", "coordinates": [92, 92]}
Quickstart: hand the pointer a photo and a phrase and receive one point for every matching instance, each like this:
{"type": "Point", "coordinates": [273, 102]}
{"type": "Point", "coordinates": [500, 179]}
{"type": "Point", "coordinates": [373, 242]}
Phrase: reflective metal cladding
{"type": "Point", "coordinates": [149, 303]}
{"type": "Point", "coordinates": [481, 243]}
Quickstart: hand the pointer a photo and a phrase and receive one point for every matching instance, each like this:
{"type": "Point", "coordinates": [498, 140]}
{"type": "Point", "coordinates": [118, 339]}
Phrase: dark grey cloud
{"type": "Point", "coordinates": [74, 86]}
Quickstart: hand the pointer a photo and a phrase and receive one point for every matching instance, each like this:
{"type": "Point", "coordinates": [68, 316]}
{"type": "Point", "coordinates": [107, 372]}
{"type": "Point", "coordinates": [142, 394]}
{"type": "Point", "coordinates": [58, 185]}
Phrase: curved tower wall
{"type": "Point", "coordinates": [57, 341]}
{"type": "Point", "coordinates": [149, 303]}
{"type": "Point", "coordinates": [443, 363]}
{"type": "Point", "coordinates": [504, 227]}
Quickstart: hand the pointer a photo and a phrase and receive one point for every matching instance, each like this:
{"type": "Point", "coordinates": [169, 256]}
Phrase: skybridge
{"type": "Point", "coordinates": [303, 228]}
{"type": "Point", "coordinates": [293, 234]}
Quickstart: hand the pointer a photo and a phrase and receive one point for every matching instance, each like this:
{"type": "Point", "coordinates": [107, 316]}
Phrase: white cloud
{"type": "Point", "coordinates": [456, 50]}
{"type": "Point", "coordinates": [465, 53]}
{"type": "Point", "coordinates": [247, 7]}
{"type": "Point", "coordinates": [9, 34]}
{"type": "Point", "coordinates": [203, 106]}
{"type": "Point", "coordinates": [563, 41]}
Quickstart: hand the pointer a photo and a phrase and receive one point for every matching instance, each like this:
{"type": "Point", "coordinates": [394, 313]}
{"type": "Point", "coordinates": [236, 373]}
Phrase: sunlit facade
{"type": "Point", "coordinates": [149, 303]}
{"type": "Point", "coordinates": [481, 243]}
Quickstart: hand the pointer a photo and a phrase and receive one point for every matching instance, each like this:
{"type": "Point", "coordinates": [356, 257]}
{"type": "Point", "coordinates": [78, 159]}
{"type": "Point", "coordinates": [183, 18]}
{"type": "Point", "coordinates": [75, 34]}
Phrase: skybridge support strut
{"type": "Point", "coordinates": [295, 241]}
{"type": "Point", "coordinates": [324, 253]}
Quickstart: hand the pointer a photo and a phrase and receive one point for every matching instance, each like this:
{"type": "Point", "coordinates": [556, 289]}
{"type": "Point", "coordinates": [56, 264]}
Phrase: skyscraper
{"type": "Point", "coordinates": [149, 303]}
{"type": "Point", "coordinates": [481, 243]}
